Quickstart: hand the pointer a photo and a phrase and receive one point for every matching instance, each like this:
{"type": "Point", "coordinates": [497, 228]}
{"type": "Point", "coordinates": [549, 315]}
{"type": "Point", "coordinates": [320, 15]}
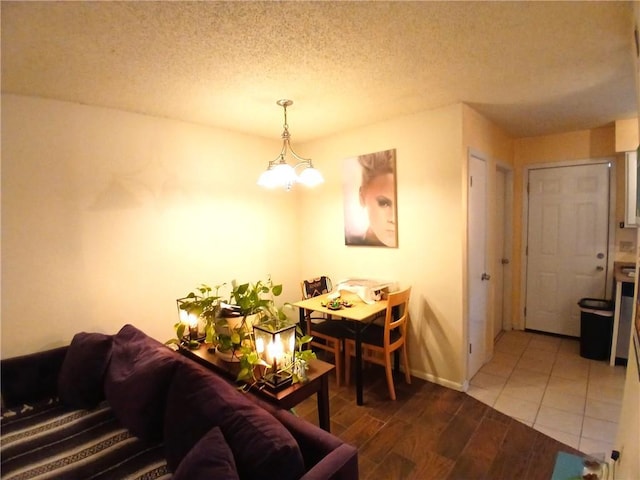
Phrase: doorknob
{"type": "Point", "coordinates": [485, 276]}
{"type": "Point", "coordinates": [599, 268]}
{"type": "Point", "coordinates": [600, 256]}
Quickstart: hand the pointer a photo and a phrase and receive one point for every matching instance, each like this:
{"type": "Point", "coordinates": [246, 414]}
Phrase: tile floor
{"type": "Point", "coordinates": [543, 381]}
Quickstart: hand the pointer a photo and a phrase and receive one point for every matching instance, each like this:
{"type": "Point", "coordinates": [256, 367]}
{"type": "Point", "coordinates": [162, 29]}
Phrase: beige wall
{"type": "Point", "coordinates": [626, 135]}
{"type": "Point", "coordinates": [484, 136]}
{"type": "Point", "coordinates": [431, 229]}
{"type": "Point", "coordinates": [108, 217]}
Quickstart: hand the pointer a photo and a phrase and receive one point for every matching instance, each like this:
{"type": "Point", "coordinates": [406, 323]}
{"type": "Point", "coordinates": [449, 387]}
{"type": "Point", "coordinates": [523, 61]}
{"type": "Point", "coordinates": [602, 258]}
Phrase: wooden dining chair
{"type": "Point", "coordinates": [327, 334]}
{"type": "Point", "coordinates": [379, 342]}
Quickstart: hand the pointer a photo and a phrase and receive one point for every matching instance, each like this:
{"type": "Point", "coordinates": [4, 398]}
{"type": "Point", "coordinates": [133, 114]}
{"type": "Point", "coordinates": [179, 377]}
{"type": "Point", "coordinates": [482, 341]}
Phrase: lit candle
{"type": "Point", "coordinates": [193, 326]}
{"type": "Point", "coordinates": [275, 350]}
{"type": "Point", "coordinates": [278, 348]}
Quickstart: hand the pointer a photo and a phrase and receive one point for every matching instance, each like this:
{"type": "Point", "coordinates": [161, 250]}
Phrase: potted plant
{"type": "Point", "coordinates": [248, 303]}
{"type": "Point", "coordinates": [253, 367]}
{"type": "Point", "coordinates": [228, 325]}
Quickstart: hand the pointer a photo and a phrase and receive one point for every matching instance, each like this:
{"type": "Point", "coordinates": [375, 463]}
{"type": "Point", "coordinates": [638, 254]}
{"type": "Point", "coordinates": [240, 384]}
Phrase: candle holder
{"type": "Point", "coordinates": [276, 347]}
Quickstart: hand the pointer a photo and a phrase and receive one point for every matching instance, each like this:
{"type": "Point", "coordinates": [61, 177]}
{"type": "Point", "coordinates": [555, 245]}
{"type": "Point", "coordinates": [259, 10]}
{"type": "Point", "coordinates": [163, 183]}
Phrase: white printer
{"type": "Point", "coordinates": [368, 290]}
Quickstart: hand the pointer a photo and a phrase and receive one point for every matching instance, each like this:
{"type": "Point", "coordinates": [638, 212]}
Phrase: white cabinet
{"type": "Point", "coordinates": [631, 193]}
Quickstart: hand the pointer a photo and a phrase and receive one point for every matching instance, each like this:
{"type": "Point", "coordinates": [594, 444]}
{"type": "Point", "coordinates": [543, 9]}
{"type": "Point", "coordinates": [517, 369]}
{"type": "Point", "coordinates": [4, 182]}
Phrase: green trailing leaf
{"type": "Point", "coordinates": [180, 329]}
{"type": "Point", "coordinates": [305, 339]}
{"type": "Point", "coordinates": [243, 374]}
{"type": "Point", "coordinates": [305, 355]}
{"type": "Point", "coordinates": [209, 333]}
{"type": "Point", "coordinates": [242, 289]}
{"type": "Point", "coordinates": [253, 357]}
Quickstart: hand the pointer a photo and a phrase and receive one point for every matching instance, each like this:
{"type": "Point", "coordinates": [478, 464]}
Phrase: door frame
{"type": "Point", "coordinates": [520, 319]}
{"type": "Point", "coordinates": [508, 244]}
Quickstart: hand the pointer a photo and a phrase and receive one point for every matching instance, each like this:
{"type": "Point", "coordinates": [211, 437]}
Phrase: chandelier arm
{"type": "Point", "coordinates": [301, 160]}
{"type": "Point", "coordinates": [280, 157]}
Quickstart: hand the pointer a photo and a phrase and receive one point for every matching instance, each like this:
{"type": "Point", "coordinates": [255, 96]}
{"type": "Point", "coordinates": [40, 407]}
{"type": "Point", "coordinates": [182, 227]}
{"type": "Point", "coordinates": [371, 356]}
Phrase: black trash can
{"type": "Point", "coordinates": [596, 328]}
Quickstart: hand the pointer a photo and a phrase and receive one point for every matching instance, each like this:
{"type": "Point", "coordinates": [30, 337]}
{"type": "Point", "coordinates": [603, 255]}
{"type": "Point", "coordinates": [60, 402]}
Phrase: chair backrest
{"type": "Point", "coordinates": [315, 286]}
{"type": "Point", "coordinates": [397, 302]}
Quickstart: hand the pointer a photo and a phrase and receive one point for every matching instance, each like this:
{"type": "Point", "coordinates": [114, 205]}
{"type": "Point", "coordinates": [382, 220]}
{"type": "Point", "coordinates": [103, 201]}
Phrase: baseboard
{"type": "Point", "coordinates": [461, 387]}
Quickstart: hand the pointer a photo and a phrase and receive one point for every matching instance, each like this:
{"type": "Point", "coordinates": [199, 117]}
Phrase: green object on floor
{"type": "Point", "coordinates": [568, 467]}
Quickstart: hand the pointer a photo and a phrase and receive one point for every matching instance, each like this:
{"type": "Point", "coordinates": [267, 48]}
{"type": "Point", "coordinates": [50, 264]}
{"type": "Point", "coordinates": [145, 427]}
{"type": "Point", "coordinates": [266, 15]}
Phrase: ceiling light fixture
{"type": "Point", "coordinates": [279, 173]}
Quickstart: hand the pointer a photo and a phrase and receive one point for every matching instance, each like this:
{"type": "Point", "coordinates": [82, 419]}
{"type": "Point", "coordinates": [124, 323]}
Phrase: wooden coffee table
{"type": "Point", "coordinates": [287, 398]}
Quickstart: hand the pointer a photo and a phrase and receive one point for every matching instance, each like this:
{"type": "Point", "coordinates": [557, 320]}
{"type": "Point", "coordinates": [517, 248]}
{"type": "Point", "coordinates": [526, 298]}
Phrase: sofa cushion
{"type": "Point", "coordinates": [199, 400]}
{"type": "Point", "coordinates": [210, 458]}
{"type": "Point", "coordinates": [137, 381]}
{"type": "Point", "coordinates": [81, 380]}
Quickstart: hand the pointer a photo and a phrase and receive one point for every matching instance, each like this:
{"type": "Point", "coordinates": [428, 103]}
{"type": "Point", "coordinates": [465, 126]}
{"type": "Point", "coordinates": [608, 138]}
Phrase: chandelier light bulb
{"type": "Point", "coordinates": [310, 177]}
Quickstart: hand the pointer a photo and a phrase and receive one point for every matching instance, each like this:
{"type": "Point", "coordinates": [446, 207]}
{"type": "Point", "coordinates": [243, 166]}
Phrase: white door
{"type": "Point", "coordinates": [567, 244]}
{"type": "Point", "coordinates": [500, 256]}
{"type": "Point", "coordinates": [477, 280]}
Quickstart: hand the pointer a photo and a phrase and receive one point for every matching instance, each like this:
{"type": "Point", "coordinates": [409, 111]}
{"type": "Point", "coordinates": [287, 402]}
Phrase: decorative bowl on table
{"type": "Point", "coordinates": [334, 304]}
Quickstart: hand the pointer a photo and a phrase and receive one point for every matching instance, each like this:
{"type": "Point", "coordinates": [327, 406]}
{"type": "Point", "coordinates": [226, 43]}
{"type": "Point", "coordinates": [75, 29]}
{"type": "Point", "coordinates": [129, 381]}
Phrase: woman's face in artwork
{"type": "Point", "coordinates": [378, 197]}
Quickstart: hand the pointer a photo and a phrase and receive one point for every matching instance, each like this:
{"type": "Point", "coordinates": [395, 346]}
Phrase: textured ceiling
{"type": "Point", "coordinates": [532, 67]}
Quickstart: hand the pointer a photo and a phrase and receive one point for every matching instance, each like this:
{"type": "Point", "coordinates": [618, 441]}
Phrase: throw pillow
{"type": "Point", "coordinates": [81, 379]}
{"type": "Point", "coordinates": [210, 458]}
{"type": "Point", "coordinates": [137, 382]}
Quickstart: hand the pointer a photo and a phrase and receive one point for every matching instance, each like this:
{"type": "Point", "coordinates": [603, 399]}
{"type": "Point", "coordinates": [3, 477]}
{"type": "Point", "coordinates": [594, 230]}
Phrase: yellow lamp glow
{"type": "Point", "coordinates": [187, 317]}
{"type": "Point", "coordinates": [276, 348]}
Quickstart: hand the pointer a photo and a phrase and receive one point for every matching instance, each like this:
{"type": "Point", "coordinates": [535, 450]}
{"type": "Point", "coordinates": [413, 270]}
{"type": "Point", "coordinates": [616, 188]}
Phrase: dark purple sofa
{"type": "Point", "coordinates": [126, 406]}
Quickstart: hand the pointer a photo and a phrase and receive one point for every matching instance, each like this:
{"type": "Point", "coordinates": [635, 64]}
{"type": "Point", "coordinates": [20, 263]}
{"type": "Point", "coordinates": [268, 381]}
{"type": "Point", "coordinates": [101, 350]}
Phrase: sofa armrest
{"type": "Point", "coordinates": [340, 464]}
{"type": "Point", "coordinates": [326, 456]}
{"type": "Point", "coordinates": [31, 377]}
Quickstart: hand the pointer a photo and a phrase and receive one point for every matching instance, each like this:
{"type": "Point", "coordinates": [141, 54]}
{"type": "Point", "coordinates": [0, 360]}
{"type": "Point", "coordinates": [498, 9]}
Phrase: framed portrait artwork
{"type": "Point", "coordinates": [370, 200]}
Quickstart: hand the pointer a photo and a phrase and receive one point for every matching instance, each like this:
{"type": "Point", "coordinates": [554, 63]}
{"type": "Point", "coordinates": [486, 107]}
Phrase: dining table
{"type": "Point", "coordinates": [355, 311]}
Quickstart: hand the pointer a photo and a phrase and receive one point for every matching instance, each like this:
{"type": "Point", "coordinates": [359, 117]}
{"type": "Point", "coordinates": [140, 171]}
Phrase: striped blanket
{"type": "Point", "coordinates": [52, 442]}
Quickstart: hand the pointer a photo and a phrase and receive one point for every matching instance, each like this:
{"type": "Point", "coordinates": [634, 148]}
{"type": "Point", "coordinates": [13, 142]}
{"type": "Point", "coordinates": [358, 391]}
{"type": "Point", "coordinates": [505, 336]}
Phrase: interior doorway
{"type": "Point", "coordinates": [503, 209]}
{"type": "Point", "coordinates": [567, 254]}
{"type": "Point", "coordinates": [477, 281]}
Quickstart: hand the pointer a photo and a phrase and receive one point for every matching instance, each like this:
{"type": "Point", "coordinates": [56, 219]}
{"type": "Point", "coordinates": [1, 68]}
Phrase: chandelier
{"type": "Point", "coordinates": [281, 174]}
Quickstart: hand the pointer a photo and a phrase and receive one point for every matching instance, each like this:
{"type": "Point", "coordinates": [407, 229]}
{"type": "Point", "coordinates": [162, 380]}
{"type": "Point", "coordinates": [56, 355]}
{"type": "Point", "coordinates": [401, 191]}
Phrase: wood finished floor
{"type": "Point", "coordinates": [432, 432]}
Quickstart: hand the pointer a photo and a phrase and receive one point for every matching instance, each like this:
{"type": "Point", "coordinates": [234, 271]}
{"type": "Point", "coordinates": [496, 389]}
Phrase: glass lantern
{"type": "Point", "coordinates": [276, 347]}
{"type": "Point", "coordinates": [189, 319]}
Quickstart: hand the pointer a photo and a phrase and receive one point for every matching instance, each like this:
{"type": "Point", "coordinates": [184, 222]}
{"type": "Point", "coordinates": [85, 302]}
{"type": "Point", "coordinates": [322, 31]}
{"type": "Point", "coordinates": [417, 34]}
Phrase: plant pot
{"type": "Point", "coordinates": [300, 368]}
{"type": "Point", "coordinates": [229, 355]}
{"type": "Point", "coordinates": [234, 323]}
